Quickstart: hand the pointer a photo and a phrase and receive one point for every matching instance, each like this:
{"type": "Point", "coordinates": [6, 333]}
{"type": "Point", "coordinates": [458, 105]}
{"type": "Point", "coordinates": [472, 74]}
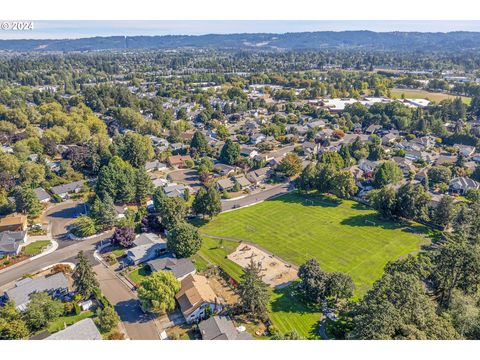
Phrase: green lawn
{"type": "Point", "coordinates": [342, 235]}
{"type": "Point", "coordinates": [215, 252]}
{"type": "Point", "coordinates": [289, 312]}
{"type": "Point", "coordinates": [35, 248]}
{"type": "Point", "coordinates": [139, 274]}
{"type": "Point", "coordinates": [59, 323]}
{"type": "Point", "coordinates": [119, 252]}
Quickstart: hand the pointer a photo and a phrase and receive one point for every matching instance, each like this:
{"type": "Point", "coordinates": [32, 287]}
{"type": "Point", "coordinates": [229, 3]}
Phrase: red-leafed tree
{"type": "Point", "coordinates": [123, 236]}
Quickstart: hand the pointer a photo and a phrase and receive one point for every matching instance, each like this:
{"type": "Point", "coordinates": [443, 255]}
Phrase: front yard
{"type": "Point", "coordinates": [139, 274]}
{"type": "Point", "coordinates": [35, 248]}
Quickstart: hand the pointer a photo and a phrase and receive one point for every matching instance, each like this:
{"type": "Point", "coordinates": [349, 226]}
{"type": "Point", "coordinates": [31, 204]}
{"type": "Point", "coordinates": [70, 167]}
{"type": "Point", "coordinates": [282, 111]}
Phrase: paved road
{"type": "Point", "coordinates": [66, 254]}
{"type": "Point", "coordinates": [138, 325]}
{"type": "Point", "coordinates": [60, 216]}
{"type": "Point", "coordinates": [254, 198]}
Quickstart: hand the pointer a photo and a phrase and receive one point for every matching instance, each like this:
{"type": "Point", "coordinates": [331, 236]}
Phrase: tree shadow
{"type": "Point", "coordinates": [314, 199]}
{"type": "Point", "coordinates": [129, 311]}
{"type": "Point", "coordinates": [68, 213]}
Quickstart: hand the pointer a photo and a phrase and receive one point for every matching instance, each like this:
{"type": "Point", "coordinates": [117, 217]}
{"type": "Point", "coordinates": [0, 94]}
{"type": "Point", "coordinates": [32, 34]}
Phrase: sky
{"type": "Point", "coordinates": [79, 29]}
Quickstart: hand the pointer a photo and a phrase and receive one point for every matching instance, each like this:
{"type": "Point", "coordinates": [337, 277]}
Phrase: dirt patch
{"type": "Point", "coordinates": [276, 272]}
{"type": "Point", "coordinates": [223, 291]}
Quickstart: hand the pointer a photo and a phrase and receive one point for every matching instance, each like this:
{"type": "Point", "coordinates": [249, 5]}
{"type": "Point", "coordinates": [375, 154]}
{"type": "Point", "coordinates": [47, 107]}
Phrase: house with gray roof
{"type": "Point", "coordinates": [155, 165]}
{"type": "Point", "coordinates": [54, 285]}
{"type": "Point", "coordinates": [221, 328]}
{"type": "Point", "coordinates": [42, 195]}
{"type": "Point", "coordinates": [83, 330]}
{"type": "Point", "coordinates": [180, 268]}
{"type": "Point", "coordinates": [147, 246]}
{"type": "Point", "coordinates": [11, 242]}
{"type": "Point", "coordinates": [64, 190]}
{"type": "Point", "coordinates": [460, 185]}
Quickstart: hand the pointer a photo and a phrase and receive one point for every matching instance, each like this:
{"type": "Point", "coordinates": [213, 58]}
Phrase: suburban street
{"type": "Point", "coordinates": [138, 325]}
{"type": "Point", "coordinates": [254, 198]}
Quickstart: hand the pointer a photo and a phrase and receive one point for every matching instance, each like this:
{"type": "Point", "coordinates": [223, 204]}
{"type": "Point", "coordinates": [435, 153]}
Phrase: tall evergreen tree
{"type": "Point", "coordinates": [143, 185]}
{"type": "Point", "coordinates": [84, 277]}
{"type": "Point", "coordinates": [254, 293]}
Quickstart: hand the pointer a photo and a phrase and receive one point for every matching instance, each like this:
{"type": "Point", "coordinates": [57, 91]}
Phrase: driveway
{"type": "Point", "coordinates": [138, 325]}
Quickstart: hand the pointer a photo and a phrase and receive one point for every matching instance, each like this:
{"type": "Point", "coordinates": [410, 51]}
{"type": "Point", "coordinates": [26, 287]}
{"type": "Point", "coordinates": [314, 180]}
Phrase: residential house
{"type": "Point", "coordinates": [316, 124]}
{"type": "Point", "coordinates": [405, 165]}
{"type": "Point", "coordinates": [160, 182]}
{"type": "Point", "coordinates": [389, 138]}
{"type": "Point", "coordinates": [146, 247]}
{"type": "Point", "coordinates": [257, 138]}
{"type": "Point", "coordinates": [221, 328]}
{"type": "Point", "coordinates": [14, 222]}
{"type": "Point", "coordinates": [225, 184]}
{"type": "Point", "coordinates": [42, 195]}
{"type": "Point", "coordinates": [460, 185]}
{"type": "Point", "coordinates": [11, 242]}
{"type": "Point", "coordinates": [259, 176]}
{"type": "Point", "coordinates": [373, 129]}
{"type": "Point", "coordinates": [65, 190]}
{"type": "Point", "coordinates": [465, 150]}
{"type": "Point", "coordinates": [175, 190]}
{"type": "Point", "coordinates": [445, 160]}
{"type": "Point", "coordinates": [155, 165]}
{"type": "Point", "coordinates": [248, 152]}
{"type": "Point", "coordinates": [195, 296]}
{"type": "Point", "coordinates": [180, 268]}
{"type": "Point", "coordinates": [310, 148]}
{"type": "Point", "coordinates": [55, 285]}
{"type": "Point", "coordinates": [224, 169]}
{"type": "Point", "coordinates": [179, 160]}
{"type": "Point", "coordinates": [367, 166]}
{"type": "Point", "coordinates": [82, 330]}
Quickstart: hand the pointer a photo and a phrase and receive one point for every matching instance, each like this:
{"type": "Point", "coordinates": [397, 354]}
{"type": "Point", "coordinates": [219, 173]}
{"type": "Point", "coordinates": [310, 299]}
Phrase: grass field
{"type": "Point", "coordinates": [35, 248]}
{"type": "Point", "coordinates": [59, 324]}
{"type": "Point", "coordinates": [396, 93]}
{"type": "Point", "coordinates": [342, 235]}
{"type": "Point", "coordinates": [139, 274]}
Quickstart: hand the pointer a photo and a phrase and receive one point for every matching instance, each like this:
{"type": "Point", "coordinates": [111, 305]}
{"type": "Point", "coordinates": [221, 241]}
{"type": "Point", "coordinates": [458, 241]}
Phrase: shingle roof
{"type": "Point", "coordinates": [221, 328]}
{"type": "Point", "coordinates": [83, 330]}
{"type": "Point", "coordinates": [194, 292]}
{"type": "Point", "coordinates": [10, 241]}
{"type": "Point", "coordinates": [20, 294]}
{"type": "Point", "coordinates": [179, 267]}
{"type": "Point", "coordinates": [62, 189]}
{"type": "Point", "coordinates": [41, 194]}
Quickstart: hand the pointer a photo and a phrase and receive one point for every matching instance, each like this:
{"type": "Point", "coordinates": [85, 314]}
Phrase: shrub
{"type": "Point", "coordinates": [116, 335]}
{"type": "Point", "coordinates": [77, 309]}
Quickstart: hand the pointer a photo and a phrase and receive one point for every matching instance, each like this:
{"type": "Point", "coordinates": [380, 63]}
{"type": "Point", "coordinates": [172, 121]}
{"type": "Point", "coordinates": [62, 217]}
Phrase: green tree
{"type": "Point", "coordinates": [157, 292]}
{"type": "Point", "coordinates": [103, 212]}
{"type": "Point", "coordinates": [290, 165]}
{"type": "Point", "coordinates": [313, 281]}
{"type": "Point", "coordinates": [230, 152]}
{"type": "Point", "coordinates": [339, 285]}
{"type": "Point", "coordinates": [412, 202]}
{"type": "Point", "coordinates": [84, 226]}
{"type": "Point", "coordinates": [332, 158]}
{"type": "Point", "coordinates": [143, 185]}
{"type": "Point", "coordinates": [26, 201]}
{"type": "Point", "coordinates": [254, 293]}
{"type": "Point", "coordinates": [439, 174]}
{"type": "Point", "coordinates": [134, 148]}
{"type": "Point", "coordinates": [384, 201]}
{"type": "Point", "coordinates": [343, 184]}
{"type": "Point", "coordinates": [108, 319]}
{"type": "Point", "coordinates": [307, 181]}
{"type": "Point", "coordinates": [184, 240]}
{"type": "Point", "coordinates": [117, 179]}
{"type": "Point", "coordinates": [444, 212]}
{"type": "Point", "coordinates": [83, 276]}
{"type": "Point", "coordinates": [32, 174]}
{"type": "Point", "coordinates": [12, 326]}
{"type": "Point", "coordinates": [198, 144]}
{"type": "Point", "coordinates": [207, 202]}
{"type": "Point", "coordinates": [41, 310]}
{"type": "Point", "coordinates": [387, 172]}
{"type": "Point", "coordinates": [172, 211]}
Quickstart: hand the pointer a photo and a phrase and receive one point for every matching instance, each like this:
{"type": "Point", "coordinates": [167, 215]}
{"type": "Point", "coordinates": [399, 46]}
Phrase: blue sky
{"type": "Point", "coordinates": [76, 29]}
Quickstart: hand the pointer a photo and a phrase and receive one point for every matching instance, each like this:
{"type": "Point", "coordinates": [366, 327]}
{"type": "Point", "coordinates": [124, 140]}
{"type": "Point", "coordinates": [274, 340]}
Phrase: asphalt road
{"type": "Point", "coordinates": [65, 254]}
{"type": "Point", "coordinates": [138, 325]}
{"type": "Point", "coordinates": [254, 198]}
{"type": "Point", "coordinates": [60, 216]}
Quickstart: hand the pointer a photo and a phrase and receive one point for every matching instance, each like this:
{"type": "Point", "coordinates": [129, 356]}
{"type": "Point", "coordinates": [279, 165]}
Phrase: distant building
{"type": "Point", "coordinates": [65, 190]}
{"type": "Point", "coordinates": [178, 160]}
{"type": "Point", "coordinates": [460, 185]}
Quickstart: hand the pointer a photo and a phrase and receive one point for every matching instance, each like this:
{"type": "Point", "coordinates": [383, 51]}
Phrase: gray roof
{"type": "Point", "coordinates": [20, 294]}
{"type": "Point", "coordinates": [179, 267]}
{"type": "Point", "coordinates": [66, 188]}
{"type": "Point", "coordinates": [83, 330]}
{"type": "Point", "coordinates": [10, 241]}
{"type": "Point", "coordinates": [147, 239]}
{"type": "Point", "coordinates": [221, 328]}
{"type": "Point", "coordinates": [41, 194]}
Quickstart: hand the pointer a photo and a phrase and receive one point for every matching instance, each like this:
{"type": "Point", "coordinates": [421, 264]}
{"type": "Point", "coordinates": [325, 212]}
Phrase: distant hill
{"type": "Point", "coordinates": [391, 41]}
